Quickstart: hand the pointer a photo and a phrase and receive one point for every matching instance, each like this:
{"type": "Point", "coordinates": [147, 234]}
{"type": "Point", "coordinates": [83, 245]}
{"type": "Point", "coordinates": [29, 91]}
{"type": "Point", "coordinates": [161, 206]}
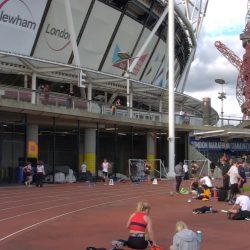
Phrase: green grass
{"type": "Point", "coordinates": [246, 188]}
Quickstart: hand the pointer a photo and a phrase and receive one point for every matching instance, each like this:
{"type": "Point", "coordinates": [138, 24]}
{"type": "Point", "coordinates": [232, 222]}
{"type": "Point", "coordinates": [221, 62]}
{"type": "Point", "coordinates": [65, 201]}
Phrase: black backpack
{"type": "Point", "coordinates": [222, 194]}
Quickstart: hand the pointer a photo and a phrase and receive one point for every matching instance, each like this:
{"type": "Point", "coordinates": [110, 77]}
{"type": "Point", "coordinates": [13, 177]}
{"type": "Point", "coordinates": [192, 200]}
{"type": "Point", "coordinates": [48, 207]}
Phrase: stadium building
{"type": "Point", "coordinates": [87, 80]}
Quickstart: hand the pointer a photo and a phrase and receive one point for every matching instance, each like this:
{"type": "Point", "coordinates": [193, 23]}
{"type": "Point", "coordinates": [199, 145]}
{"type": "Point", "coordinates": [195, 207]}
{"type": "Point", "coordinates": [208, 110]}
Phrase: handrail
{"type": "Point", "coordinates": [21, 94]}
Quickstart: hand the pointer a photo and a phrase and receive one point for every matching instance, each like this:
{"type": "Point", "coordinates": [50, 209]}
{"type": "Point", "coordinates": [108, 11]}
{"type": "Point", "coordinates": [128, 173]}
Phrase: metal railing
{"type": "Point", "coordinates": [61, 100]}
{"type": "Point", "coordinates": [42, 98]}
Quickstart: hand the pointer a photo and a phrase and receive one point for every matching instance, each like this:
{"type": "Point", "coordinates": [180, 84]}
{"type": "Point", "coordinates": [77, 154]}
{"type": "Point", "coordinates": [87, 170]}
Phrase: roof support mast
{"type": "Point", "coordinates": [171, 120]}
{"type": "Point", "coordinates": [70, 23]}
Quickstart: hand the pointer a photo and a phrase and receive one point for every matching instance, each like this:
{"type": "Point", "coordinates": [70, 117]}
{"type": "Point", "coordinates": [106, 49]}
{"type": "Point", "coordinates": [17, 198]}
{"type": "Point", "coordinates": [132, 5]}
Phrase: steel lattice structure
{"type": "Point", "coordinates": [243, 81]}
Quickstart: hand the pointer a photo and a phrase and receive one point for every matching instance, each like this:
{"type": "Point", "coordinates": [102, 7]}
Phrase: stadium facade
{"type": "Point", "coordinates": [46, 55]}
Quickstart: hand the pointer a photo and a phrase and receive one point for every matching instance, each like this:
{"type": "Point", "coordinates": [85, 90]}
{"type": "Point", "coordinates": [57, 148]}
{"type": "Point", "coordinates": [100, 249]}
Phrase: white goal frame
{"type": "Point", "coordinates": [204, 166]}
{"type": "Point", "coordinates": [158, 169]}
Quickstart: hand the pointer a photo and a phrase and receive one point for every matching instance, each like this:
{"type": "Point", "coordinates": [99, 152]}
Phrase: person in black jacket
{"type": "Point", "coordinates": [225, 178]}
{"type": "Point", "coordinates": [242, 174]}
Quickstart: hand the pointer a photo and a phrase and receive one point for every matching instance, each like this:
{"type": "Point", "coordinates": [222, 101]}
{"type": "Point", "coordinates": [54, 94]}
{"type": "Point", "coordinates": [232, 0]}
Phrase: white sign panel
{"type": "Point", "coordinates": [19, 23]}
{"type": "Point", "coordinates": [154, 73]}
{"type": "Point", "coordinates": [55, 40]}
{"type": "Point", "coordinates": [98, 31]}
{"type": "Point", "coordinates": [148, 49]}
{"type": "Point", "coordinates": [124, 41]}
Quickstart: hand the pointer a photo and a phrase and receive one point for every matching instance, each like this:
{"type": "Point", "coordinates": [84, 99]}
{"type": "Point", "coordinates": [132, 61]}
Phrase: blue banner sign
{"type": "Point", "coordinates": [220, 145]}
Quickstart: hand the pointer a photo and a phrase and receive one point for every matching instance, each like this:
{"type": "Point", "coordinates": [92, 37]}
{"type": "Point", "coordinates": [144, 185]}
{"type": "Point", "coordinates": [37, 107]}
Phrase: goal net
{"type": "Point", "coordinates": [203, 167]}
{"type": "Point", "coordinates": [137, 169]}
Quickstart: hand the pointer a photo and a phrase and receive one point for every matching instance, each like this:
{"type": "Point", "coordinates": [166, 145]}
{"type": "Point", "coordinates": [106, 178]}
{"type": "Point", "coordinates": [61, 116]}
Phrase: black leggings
{"type": "Point", "coordinates": [234, 189]}
{"type": "Point", "coordinates": [178, 182]}
{"type": "Point", "coordinates": [137, 242]}
{"type": "Point", "coordinates": [39, 179]}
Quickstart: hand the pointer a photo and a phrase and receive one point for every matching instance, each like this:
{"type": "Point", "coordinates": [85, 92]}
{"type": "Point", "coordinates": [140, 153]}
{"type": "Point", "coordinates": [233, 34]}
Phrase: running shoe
{"type": "Point", "coordinates": [118, 244]}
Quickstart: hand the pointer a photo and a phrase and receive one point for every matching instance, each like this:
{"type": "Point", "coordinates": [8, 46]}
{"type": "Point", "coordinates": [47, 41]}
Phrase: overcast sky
{"type": "Point", "coordinates": [224, 21]}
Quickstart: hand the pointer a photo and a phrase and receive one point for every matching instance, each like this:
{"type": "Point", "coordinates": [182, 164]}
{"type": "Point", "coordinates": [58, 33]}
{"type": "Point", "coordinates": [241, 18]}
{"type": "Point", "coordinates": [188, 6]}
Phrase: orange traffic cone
{"type": "Point", "coordinates": [215, 194]}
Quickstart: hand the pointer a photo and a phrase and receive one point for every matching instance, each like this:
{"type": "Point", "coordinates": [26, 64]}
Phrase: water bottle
{"type": "Point", "coordinates": [199, 235]}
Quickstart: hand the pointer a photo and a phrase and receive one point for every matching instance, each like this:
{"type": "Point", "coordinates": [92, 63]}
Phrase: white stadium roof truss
{"type": "Point", "coordinates": [190, 15]}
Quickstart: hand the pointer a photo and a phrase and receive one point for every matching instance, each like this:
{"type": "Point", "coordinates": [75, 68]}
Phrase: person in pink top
{"type": "Point", "coordinates": [105, 170]}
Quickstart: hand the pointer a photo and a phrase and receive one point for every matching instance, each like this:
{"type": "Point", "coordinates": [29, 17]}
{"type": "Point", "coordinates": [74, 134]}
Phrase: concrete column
{"type": "Point", "coordinates": [32, 141]}
{"type": "Point", "coordinates": [90, 149]}
{"type": "Point", "coordinates": [151, 148]}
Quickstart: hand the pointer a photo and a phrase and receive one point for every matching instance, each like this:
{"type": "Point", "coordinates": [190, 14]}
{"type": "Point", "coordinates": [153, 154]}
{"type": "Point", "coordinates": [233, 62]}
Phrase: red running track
{"type": "Point", "coordinates": [74, 216]}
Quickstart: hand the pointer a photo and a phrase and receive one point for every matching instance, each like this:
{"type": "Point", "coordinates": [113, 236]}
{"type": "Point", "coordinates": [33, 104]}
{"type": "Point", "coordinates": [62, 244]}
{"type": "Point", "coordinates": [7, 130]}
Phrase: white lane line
{"type": "Point", "coordinates": [52, 194]}
{"type": "Point", "coordinates": [70, 203]}
{"type": "Point", "coordinates": [72, 195]}
{"type": "Point", "coordinates": [68, 213]}
{"type": "Point", "coordinates": [58, 206]}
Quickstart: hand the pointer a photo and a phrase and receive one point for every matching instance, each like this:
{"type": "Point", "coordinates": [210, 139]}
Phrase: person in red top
{"type": "Point", "coordinates": [140, 228]}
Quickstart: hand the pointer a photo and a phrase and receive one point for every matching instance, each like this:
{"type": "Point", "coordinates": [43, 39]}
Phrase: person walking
{"type": "Point", "coordinates": [105, 170]}
{"type": "Point", "coordinates": [224, 170]}
{"type": "Point", "coordinates": [212, 169]}
{"type": "Point", "coordinates": [234, 178]}
{"type": "Point", "coordinates": [46, 90]}
{"type": "Point", "coordinates": [178, 169]}
{"type": "Point", "coordinates": [84, 171]}
{"type": "Point", "coordinates": [242, 174]}
{"type": "Point", "coordinates": [28, 173]}
{"type": "Point", "coordinates": [115, 104]}
{"type": "Point", "coordinates": [185, 169]}
{"type": "Point", "coordinates": [40, 172]}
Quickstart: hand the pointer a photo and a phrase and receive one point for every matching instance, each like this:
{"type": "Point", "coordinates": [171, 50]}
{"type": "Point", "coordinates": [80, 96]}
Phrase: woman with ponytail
{"type": "Point", "coordinates": [140, 228]}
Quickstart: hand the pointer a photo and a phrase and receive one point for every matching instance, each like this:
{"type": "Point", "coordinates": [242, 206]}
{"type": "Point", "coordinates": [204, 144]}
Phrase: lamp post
{"type": "Point", "coordinates": [222, 96]}
{"type": "Point", "coordinates": [126, 57]}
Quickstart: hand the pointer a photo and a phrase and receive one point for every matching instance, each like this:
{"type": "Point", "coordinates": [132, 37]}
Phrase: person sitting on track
{"type": "Point", "coordinates": [195, 186]}
{"type": "Point", "coordinates": [206, 182]}
{"type": "Point", "coordinates": [139, 223]}
{"type": "Point", "coordinates": [141, 234]}
{"type": "Point", "coordinates": [241, 208]}
{"type": "Point", "coordinates": [204, 192]}
{"type": "Point", "coordinates": [184, 238]}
